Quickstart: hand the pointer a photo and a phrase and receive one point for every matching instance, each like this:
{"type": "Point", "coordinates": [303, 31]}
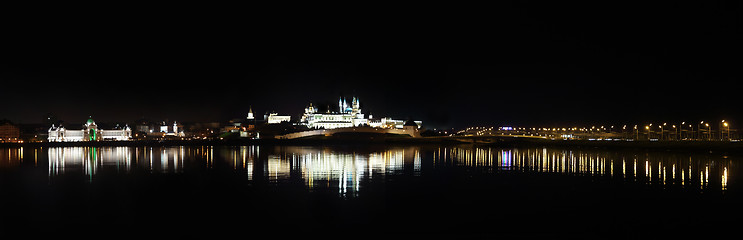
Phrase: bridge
{"type": "Point", "coordinates": [407, 130]}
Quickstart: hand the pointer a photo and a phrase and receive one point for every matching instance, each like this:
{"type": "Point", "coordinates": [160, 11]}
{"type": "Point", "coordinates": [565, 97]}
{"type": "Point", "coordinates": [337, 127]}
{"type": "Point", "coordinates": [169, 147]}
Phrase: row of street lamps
{"type": "Point", "coordinates": [699, 134]}
{"type": "Point", "coordinates": [682, 131]}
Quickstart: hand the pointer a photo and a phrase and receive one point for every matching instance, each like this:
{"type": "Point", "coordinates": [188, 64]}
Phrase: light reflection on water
{"type": "Point", "coordinates": [89, 160]}
{"type": "Point", "coordinates": [652, 168]}
{"type": "Point", "coordinates": [347, 170]}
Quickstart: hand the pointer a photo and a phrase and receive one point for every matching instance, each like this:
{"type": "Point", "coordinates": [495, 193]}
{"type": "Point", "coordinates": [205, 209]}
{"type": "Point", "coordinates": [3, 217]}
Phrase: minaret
{"type": "Point", "coordinates": [340, 104]}
{"type": "Point", "coordinates": [345, 106]}
{"type": "Point", "coordinates": [355, 105]}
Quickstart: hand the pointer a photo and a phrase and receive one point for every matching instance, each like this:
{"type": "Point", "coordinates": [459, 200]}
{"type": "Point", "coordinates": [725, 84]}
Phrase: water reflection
{"type": "Point", "coordinates": [87, 160]}
{"type": "Point", "coordinates": [90, 160]}
{"type": "Point", "coordinates": [327, 168]}
{"type": "Point", "coordinates": [347, 170]}
{"type": "Point", "coordinates": [659, 168]}
{"type": "Point", "coordinates": [10, 157]}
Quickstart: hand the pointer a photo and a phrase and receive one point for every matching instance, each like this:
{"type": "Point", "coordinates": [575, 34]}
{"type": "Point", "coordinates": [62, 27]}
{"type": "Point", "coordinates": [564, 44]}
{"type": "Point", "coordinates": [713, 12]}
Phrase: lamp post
{"type": "Point", "coordinates": [727, 126]}
{"type": "Point", "coordinates": [637, 133]}
{"type": "Point", "coordinates": [648, 128]}
{"type": "Point", "coordinates": [699, 131]}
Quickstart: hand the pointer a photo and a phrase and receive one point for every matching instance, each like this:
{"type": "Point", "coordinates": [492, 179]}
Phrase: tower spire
{"type": "Point", "coordinates": [340, 104]}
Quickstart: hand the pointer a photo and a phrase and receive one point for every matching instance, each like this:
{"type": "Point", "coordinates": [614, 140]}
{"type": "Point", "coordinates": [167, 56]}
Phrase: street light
{"type": "Point", "coordinates": [699, 130]}
{"type": "Point", "coordinates": [648, 128]}
{"type": "Point", "coordinates": [637, 133]}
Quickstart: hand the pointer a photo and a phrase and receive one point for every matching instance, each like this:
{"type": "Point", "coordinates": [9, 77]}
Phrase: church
{"type": "Point", "coordinates": [90, 132]}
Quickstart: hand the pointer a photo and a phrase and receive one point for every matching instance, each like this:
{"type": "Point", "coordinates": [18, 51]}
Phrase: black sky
{"type": "Point", "coordinates": [450, 66]}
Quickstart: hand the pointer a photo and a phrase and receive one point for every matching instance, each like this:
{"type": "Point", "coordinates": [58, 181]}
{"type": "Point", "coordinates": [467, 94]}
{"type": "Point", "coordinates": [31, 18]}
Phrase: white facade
{"type": "Point", "coordinates": [166, 130]}
{"type": "Point", "coordinates": [347, 116]}
{"type": "Point", "coordinates": [390, 123]}
{"type": "Point", "coordinates": [250, 114]}
{"type": "Point", "coordinates": [90, 132]}
{"type": "Point", "coordinates": [274, 118]}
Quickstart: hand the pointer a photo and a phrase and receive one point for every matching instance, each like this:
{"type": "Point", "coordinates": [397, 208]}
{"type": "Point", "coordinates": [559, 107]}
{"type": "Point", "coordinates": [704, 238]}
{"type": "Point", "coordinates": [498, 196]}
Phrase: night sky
{"type": "Point", "coordinates": [449, 66]}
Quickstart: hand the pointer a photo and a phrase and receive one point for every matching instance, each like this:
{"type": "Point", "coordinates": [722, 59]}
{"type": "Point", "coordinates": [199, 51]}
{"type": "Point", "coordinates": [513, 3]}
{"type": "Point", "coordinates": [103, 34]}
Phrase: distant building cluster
{"type": "Point", "coordinates": [346, 116]}
{"type": "Point", "coordinates": [273, 125]}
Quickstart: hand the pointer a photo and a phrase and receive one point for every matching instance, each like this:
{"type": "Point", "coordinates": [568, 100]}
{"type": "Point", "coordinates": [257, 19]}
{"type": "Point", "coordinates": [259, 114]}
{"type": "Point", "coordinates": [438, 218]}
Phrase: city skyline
{"type": "Point", "coordinates": [553, 64]}
{"type": "Point", "coordinates": [525, 119]}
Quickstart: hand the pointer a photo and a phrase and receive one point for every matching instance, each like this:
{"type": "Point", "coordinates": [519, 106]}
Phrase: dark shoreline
{"type": "Point", "coordinates": [717, 146]}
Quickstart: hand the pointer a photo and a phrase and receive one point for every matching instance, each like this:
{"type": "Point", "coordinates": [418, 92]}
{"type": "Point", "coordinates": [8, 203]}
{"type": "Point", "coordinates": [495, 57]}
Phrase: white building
{"type": "Point", "coordinates": [347, 116]}
{"type": "Point", "coordinates": [274, 118]}
{"type": "Point", "coordinates": [168, 130]}
{"type": "Point", "coordinates": [90, 132]}
{"type": "Point", "coordinates": [390, 123]}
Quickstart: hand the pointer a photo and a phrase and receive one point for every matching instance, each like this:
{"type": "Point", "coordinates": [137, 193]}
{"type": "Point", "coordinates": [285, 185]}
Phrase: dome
{"type": "Point", "coordinates": [90, 122]}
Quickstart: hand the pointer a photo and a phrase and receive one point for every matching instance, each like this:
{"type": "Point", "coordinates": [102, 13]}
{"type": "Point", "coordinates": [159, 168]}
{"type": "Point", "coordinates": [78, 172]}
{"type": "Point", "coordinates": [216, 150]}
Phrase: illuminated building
{"type": "Point", "coordinates": [166, 130]}
{"type": "Point", "coordinates": [90, 132]}
{"type": "Point", "coordinates": [250, 114]}
{"type": "Point", "coordinates": [347, 116]}
{"type": "Point", "coordinates": [9, 132]}
{"type": "Point", "coordinates": [275, 118]}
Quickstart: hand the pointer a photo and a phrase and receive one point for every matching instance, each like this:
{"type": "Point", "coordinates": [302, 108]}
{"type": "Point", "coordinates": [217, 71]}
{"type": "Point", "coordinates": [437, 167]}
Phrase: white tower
{"type": "Point", "coordinates": [250, 113]}
{"type": "Point", "coordinates": [355, 105]}
{"type": "Point", "coordinates": [345, 106]}
{"type": "Point", "coordinates": [340, 105]}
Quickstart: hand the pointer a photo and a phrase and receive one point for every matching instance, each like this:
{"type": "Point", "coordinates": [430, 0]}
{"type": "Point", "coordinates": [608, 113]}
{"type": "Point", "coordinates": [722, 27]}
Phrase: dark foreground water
{"type": "Point", "coordinates": [362, 191]}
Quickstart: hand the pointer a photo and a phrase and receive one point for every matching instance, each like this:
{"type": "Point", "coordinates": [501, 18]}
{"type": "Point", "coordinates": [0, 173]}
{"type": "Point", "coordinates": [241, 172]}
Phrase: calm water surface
{"type": "Point", "coordinates": [373, 190]}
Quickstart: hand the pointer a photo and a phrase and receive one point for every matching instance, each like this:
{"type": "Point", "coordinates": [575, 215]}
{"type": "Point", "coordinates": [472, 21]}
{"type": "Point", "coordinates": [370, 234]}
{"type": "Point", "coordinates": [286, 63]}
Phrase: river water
{"type": "Point", "coordinates": [369, 190]}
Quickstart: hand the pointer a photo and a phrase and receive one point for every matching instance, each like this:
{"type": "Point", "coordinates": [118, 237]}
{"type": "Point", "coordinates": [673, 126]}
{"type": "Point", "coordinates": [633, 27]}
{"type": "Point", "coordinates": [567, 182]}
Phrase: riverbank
{"type": "Point", "coordinates": [722, 146]}
{"type": "Point", "coordinates": [706, 146]}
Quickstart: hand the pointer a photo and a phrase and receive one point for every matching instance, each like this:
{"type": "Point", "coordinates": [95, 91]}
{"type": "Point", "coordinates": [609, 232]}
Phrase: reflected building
{"type": "Point", "coordinates": [89, 160]}
{"type": "Point", "coordinates": [322, 167]}
{"type": "Point", "coordinates": [12, 157]}
{"type": "Point", "coordinates": [161, 159]}
{"type": "Point", "coordinates": [347, 170]}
